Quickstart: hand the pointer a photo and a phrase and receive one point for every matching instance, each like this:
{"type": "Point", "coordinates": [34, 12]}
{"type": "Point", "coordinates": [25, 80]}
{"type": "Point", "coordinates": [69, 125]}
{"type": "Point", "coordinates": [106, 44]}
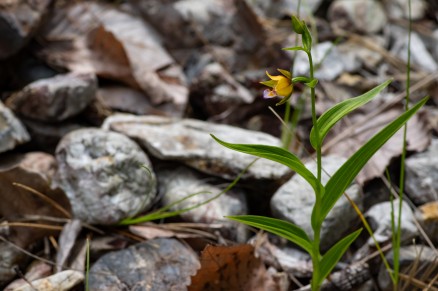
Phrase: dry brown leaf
{"type": "Point", "coordinates": [34, 170]}
{"type": "Point", "coordinates": [232, 268]}
{"type": "Point", "coordinates": [418, 138]}
{"type": "Point", "coordinates": [116, 45]}
{"type": "Point", "coordinates": [429, 211]}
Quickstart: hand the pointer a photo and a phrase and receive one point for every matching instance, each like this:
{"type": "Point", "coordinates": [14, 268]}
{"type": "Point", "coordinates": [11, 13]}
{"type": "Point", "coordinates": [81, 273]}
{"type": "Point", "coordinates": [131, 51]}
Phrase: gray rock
{"type": "Point", "coordinates": [56, 98]}
{"type": "Point", "coordinates": [422, 175]}
{"type": "Point", "coordinates": [365, 16]}
{"type": "Point", "coordinates": [397, 9]}
{"type": "Point", "coordinates": [379, 218]}
{"type": "Point", "coordinates": [10, 258]}
{"type": "Point", "coordinates": [12, 132]}
{"type": "Point", "coordinates": [282, 8]}
{"type": "Point", "coordinates": [158, 264]}
{"type": "Point", "coordinates": [420, 56]}
{"type": "Point", "coordinates": [181, 182]}
{"type": "Point", "coordinates": [100, 173]}
{"type": "Point", "coordinates": [189, 141]}
{"type": "Point", "coordinates": [332, 62]}
{"type": "Point", "coordinates": [18, 21]}
{"type": "Point", "coordinates": [62, 281]}
{"type": "Point", "coordinates": [295, 199]}
{"type": "Point", "coordinates": [415, 260]}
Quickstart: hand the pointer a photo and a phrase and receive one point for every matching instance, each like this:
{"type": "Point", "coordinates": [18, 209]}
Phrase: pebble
{"type": "Point", "coordinates": [101, 174]}
{"type": "Point", "coordinates": [12, 131]}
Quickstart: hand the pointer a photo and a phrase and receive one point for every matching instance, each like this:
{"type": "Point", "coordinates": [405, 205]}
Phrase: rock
{"type": "Point", "coordinates": [61, 281]}
{"type": "Point", "coordinates": [36, 270]}
{"type": "Point", "coordinates": [34, 170]}
{"type": "Point", "coordinates": [181, 182]}
{"type": "Point", "coordinates": [158, 264]}
{"type": "Point", "coordinates": [332, 62]}
{"type": "Point", "coordinates": [129, 100]}
{"type": "Point", "coordinates": [12, 132]}
{"type": "Point", "coordinates": [10, 259]}
{"type": "Point", "coordinates": [365, 16]}
{"type": "Point", "coordinates": [189, 141]}
{"type": "Point", "coordinates": [415, 261]}
{"type": "Point", "coordinates": [214, 91]}
{"type": "Point", "coordinates": [283, 8]}
{"type": "Point", "coordinates": [100, 173]}
{"type": "Point", "coordinates": [420, 56]}
{"type": "Point", "coordinates": [218, 23]}
{"type": "Point", "coordinates": [18, 22]}
{"type": "Point", "coordinates": [361, 56]}
{"type": "Point", "coordinates": [295, 199]}
{"type": "Point", "coordinates": [46, 136]}
{"type": "Point", "coordinates": [422, 175]}
{"type": "Point", "coordinates": [397, 9]}
{"type": "Point", "coordinates": [427, 216]}
{"type": "Point", "coordinates": [379, 218]}
{"type": "Point", "coordinates": [55, 99]}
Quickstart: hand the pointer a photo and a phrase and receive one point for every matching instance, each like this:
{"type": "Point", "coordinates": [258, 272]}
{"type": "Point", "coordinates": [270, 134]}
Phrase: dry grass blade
{"type": "Point", "coordinates": [32, 225]}
{"type": "Point", "coordinates": [45, 198]}
{"type": "Point", "coordinates": [417, 283]}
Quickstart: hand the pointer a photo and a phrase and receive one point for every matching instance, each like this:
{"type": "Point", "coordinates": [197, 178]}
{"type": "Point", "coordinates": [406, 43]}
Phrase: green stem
{"type": "Point", "coordinates": [397, 240]}
{"type": "Point", "coordinates": [316, 256]}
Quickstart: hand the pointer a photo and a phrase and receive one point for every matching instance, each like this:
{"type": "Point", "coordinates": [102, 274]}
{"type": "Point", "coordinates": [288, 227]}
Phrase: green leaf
{"type": "Point", "coordinates": [279, 227]}
{"type": "Point", "coordinates": [307, 38]}
{"type": "Point", "coordinates": [295, 48]}
{"type": "Point", "coordinates": [332, 257]}
{"type": "Point", "coordinates": [269, 83]}
{"type": "Point", "coordinates": [279, 155]}
{"type": "Point", "coordinates": [300, 79]}
{"type": "Point", "coordinates": [312, 84]}
{"type": "Point", "coordinates": [329, 118]}
{"type": "Point", "coordinates": [297, 25]}
{"type": "Point", "coordinates": [285, 73]}
{"type": "Point", "coordinates": [343, 177]}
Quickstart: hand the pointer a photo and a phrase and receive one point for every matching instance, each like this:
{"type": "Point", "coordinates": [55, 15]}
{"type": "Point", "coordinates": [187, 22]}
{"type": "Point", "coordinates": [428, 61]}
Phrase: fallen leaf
{"type": "Point", "coordinates": [116, 45]}
{"type": "Point", "coordinates": [232, 268]}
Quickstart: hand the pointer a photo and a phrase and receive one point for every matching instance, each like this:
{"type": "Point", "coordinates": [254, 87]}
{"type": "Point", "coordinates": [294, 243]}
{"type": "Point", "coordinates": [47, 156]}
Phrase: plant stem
{"type": "Point", "coordinates": [397, 240]}
{"type": "Point", "coordinates": [317, 208]}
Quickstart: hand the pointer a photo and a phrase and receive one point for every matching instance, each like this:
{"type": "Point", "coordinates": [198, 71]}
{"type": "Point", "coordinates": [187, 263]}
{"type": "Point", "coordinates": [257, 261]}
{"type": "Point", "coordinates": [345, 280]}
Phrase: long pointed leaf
{"type": "Point", "coordinates": [343, 177]}
{"type": "Point", "coordinates": [279, 227]}
{"type": "Point", "coordinates": [329, 118]}
{"type": "Point", "coordinates": [332, 256]}
{"type": "Point", "coordinates": [279, 155]}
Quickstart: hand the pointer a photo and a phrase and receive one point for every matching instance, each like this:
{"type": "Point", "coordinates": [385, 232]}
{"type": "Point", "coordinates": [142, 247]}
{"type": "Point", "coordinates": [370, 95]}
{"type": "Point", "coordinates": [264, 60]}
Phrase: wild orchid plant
{"type": "Point", "coordinates": [325, 196]}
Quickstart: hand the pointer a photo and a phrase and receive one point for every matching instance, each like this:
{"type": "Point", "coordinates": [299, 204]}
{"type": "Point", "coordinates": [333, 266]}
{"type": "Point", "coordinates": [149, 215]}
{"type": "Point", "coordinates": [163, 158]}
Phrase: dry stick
{"type": "Point", "coordinates": [349, 130]}
{"type": "Point", "coordinates": [45, 198]}
{"type": "Point", "coordinates": [416, 282]}
{"type": "Point", "coordinates": [58, 219]}
{"type": "Point", "coordinates": [32, 225]}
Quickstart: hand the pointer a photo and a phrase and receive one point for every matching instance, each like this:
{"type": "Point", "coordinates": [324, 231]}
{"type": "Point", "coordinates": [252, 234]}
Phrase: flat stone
{"type": "Point", "coordinates": [12, 132]}
{"type": "Point", "coordinates": [158, 264]}
{"type": "Point", "coordinates": [100, 173]}
{"type": "Point", "coordinates": [57, 98]}
{"type": "Point", "coordinates": [181, 182]}
{"type": "Point", "coordinates": [379, 218]}
{"type": "Point", "coordinates": [18, 22]}
{"type": "Point", "coordinates": [10, 258]}
{"type": "Point", "coordinates": [422, 175]}
{"type": "Point", "coordinates": [295, 199]}
{"type": "Point", "coordinates": [189, 141]}
{"type": "Point", "coordinates": [366, 16]}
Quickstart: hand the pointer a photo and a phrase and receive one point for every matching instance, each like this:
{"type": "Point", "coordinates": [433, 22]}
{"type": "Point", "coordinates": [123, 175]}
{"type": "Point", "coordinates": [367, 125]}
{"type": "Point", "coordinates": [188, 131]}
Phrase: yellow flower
{"type": "Point", "coordinates": [281, 85]}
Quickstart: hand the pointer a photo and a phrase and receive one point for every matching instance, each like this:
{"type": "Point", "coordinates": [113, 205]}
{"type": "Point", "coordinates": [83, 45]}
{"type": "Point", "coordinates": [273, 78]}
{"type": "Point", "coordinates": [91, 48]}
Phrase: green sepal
{"type": "Point", "coordinates": [285, 73]}
{"type": "Point", "coordinates": [269, 83]}
{"type": "Point", "coordinates": [297, 25]}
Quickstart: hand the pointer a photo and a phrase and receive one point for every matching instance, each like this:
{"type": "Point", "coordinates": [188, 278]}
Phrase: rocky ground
{"type": "Point", "coordinates": [106, 113]}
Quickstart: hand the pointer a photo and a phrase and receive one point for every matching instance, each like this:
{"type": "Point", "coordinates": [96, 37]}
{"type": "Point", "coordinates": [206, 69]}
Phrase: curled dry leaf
{"type": "Point", "coordinates": [116, 45]}
{"type": "Point", "coordinates": [418, 138]}
{"type": "Point", "coordinates": [232, 268]}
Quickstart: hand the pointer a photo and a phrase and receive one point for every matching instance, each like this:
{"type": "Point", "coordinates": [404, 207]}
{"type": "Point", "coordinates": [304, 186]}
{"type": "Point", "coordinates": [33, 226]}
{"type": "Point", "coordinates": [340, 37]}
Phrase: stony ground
{"type": "Point", "coordinates": [106, 113]}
